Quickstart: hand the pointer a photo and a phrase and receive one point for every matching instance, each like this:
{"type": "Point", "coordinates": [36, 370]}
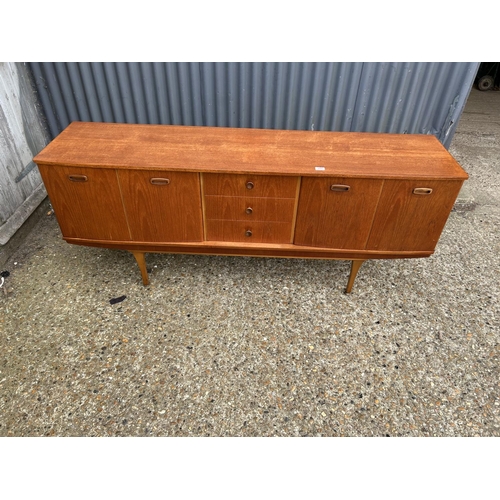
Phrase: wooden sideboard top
{"type": "Point", "coordinates": [257, 151]}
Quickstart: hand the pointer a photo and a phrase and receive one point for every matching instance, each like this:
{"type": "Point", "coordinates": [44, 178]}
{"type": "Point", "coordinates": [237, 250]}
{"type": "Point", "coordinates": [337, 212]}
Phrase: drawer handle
{"type": "Point", "coordinates": [160, 181]}
{"type": "Point", "coordinates": [422, 191]}
{"type": "Point", "coordinates": [340, 188]}
{"type": "Point", "coordinates": [250, 185]}
{"type": "Point", "coordinates": [249, 210]}
{"type": "Point", "coordinates": [248, 232]}
{"type": "Point", "coordinates": [78, 178]}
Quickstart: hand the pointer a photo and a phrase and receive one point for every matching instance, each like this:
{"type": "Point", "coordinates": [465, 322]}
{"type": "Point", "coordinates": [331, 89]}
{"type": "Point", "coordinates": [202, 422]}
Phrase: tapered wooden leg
{"type": "Point", "coordinates": [356, 264]}
{"type": "Point", "coordinates": [141, 262]}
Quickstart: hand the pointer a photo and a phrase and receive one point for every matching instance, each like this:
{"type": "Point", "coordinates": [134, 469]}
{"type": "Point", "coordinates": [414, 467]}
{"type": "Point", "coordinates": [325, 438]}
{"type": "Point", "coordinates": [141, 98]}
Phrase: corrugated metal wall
{"type": "Point", "coordinates": [424, 98]}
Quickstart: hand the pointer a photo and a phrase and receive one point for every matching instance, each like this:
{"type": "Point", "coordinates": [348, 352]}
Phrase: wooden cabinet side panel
{"type": "Point", "coordinates": [330, 219]}
{"type": "Point", "coordinates": [412, 222]}
{"type": "Point", "coordinates": [162, 213]}
{"type": "Point", "coordinates": [89, 210]}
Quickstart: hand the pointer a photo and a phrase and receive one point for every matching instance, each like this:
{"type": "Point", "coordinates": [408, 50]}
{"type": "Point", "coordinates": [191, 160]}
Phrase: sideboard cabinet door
{"type": "Point", "coordinates": [336, 212]}
{"type": "Point", "coordinates": [411, 214]}
{"type": "Point", "coordinates": [87, 202]}
{"type": "Point", "coordinates": [162, 206]}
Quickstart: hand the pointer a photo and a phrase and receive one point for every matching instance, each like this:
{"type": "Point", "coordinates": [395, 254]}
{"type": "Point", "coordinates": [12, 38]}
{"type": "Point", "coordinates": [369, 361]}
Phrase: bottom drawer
{"type": "Point", "coordinates": [249, 232]}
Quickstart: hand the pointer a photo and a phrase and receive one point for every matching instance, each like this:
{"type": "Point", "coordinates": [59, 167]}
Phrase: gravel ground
{"type": "Point", "coordinates": [222, 346]}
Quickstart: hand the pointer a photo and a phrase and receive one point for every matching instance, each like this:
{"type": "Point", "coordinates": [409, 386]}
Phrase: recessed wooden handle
{"type": "Point", "coordinates": [422, 191]}
{"type": "Point", "coordinates": [250, 185]}
{"type": "Point", "coordinates": [340, 188]}
{"type": "Point", "coordinates": [249, 210]}
{"type": "Point", "coordinates": [248, 232]}
{"type": "Point", "coordinates": [160, 181]}
{"type": "Point", "coordinates": [78, 178]}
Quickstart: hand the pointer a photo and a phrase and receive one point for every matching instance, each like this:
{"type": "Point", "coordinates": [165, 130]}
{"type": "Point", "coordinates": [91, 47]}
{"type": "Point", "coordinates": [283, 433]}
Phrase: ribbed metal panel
{"type": "Point", "coordinates": [421, 98]}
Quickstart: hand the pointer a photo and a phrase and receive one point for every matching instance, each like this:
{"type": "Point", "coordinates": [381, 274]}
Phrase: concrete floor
{"type": "Point", "coordinates": [221, 346]}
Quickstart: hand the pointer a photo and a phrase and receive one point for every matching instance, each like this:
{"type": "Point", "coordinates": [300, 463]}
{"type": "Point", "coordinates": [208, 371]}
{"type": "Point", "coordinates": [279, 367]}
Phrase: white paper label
{"type": "Point", "coordinates": [319, 168]}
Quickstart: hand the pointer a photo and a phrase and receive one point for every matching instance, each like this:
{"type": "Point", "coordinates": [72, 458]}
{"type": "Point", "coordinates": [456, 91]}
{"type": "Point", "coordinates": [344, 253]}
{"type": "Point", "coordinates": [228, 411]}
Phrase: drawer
{"type": "Point", "coordinates": [263, 186]}
{"type": "Point", "coordinates": [249, 232]}
{"type": "Point", "coordinates": [249, 209]}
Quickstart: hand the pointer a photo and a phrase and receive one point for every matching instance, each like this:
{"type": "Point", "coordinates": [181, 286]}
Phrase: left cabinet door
{"type": "Point", "coordinates": [162, 206]}
{"type": "Point", "coordinates": [87, 202]}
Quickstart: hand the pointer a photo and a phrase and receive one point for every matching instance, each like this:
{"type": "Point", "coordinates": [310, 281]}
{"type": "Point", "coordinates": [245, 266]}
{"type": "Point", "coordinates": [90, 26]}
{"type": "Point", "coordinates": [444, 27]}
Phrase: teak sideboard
{"type": "Point", "coordinates": [251, 192]}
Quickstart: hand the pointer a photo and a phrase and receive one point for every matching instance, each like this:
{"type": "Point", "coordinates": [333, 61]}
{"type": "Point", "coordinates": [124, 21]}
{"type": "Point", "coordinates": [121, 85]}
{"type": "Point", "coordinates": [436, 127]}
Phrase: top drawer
{"type": "Point", "coordinates": [264, 186]}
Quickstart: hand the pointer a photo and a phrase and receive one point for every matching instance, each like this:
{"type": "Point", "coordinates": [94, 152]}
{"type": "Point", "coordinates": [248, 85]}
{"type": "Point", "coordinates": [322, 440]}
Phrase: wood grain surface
{"type": "Point", "coordinates": [261, 232]}
{"type": "Point", "coordinates": [407, 221]}
{"type": "Point", "coordinates": [170, 212]}
{"type": "Point", "coordinates": [91, 209]}
{"type": "Point", "coordinates": [326, 218]}
{"type": "Point", "coordinates": [274, 186]}
{"type": "Point", "coordinates": [249, 249]}
{"type": "Point", "coordinates": [261, 209]}
{"type": "Point", "coordinates": [239, 150]}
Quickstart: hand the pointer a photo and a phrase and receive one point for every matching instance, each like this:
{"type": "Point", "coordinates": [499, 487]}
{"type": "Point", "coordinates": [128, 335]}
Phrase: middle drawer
{"type": "Point", "coordinates": [249, 209]}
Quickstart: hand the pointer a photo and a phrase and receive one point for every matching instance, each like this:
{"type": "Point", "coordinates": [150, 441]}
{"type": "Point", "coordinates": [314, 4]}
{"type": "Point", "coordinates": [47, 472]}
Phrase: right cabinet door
{"type": "Point", "coordinates": [411, 214]}
{"type": "Point", "coordinates": [336, 212]}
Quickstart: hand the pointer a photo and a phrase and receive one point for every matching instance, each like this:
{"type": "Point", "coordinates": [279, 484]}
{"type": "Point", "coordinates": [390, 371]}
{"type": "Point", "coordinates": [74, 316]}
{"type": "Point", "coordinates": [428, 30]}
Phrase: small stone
{"type": "Point", "coordinates": [117, 299]}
